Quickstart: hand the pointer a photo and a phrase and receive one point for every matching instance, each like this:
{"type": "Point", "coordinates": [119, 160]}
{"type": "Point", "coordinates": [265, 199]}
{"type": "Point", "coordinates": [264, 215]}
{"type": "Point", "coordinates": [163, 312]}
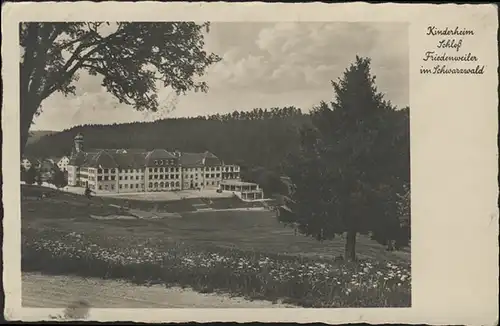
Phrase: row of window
{"type": "Point", "coordinates": [208, 176]}
{"type": "Point", "coordinates": [164, 162]}
{"type": "Point", "coordinates": [164, 184]}
{"type": "Point", "coordinates": [151, 170]}
{"type": "Point", "coordinates": [155, 176]}
{"type": "Point", "coordinates": [156, 170]}
{"type": "Point", "coordinates": [213, 183]}
{"type": "Point", "coordinates": [212, 169]}
{"type": "Point", "coordinates": [105, 178]}
{"type": "Point", "coordinates": [165, 176]}
{"type": "Point", "coordinates": [137, 177]}
{"type": "Point", "coordinates": [193, 169]}
{"type": "Point", "coordinates": [167, 184]}
{"type": "Point", "coordinates": [131, 177]}
{"type": "Point", "coordinates": [106, 171]}
{"type": "Point", "coordinates": [151, 185]}
{"type": "Point", "coordinates": [125, 186]}
{"type": "Point", "coordinates": [137, 185]}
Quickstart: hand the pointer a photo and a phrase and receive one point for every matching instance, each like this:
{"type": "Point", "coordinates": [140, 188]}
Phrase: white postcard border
{"type": "Point", "coordinates": [453, 160]}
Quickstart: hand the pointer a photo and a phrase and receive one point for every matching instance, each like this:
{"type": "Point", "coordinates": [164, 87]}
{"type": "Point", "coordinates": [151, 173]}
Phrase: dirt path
{"type": "Point", "coordinates": [42, 291]}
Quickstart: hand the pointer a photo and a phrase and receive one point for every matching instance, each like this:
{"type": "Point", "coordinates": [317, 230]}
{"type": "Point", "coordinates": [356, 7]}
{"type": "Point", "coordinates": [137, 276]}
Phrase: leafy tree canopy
{"type": "Point", "coordinates": [133, 58]}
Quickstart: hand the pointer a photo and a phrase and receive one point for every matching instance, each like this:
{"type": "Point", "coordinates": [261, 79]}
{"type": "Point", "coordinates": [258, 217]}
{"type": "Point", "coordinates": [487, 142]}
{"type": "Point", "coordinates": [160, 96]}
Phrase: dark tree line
{"type": "Point", "coordinates": [256, 114]}
{"type": "Point", "coordinates": [259, 138]}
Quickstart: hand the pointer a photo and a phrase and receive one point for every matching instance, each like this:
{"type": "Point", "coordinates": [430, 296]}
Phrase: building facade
{"type": "Point", "coordinates": [136, 170]}
{"type": "Point", "coordinates": [62, 163]}
{"type": "Point", "coordinates": [246, 191]}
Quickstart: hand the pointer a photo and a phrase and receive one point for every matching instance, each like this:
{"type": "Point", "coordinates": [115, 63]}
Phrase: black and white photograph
{"type": "Point", "coordinates": [215, 164]}
{"type": "Point", "coordinates": [235, 163]}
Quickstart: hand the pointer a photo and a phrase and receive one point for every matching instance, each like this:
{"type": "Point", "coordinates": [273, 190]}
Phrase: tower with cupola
{"type": "Point", "coordinates": [78, 146]}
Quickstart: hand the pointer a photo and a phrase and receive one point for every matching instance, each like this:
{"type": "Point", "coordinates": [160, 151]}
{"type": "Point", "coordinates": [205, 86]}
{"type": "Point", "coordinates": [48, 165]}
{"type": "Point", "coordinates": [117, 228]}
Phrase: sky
{"type": "Point", "coordinates": [263, 65]}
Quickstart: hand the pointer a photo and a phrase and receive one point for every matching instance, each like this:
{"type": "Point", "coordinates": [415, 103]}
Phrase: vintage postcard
{"type": "Point", "coordinates": [250, 162]}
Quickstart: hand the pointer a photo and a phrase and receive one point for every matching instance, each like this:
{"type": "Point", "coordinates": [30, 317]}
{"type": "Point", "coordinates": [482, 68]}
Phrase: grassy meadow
{"type": "Point", "coordinates": [243, 253]}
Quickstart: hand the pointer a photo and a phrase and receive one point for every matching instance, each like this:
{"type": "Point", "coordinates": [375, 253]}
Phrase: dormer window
{"type": "Point", "coordinates": [161, 162]}
{"type": "Point", "coordinates": [156, 162]}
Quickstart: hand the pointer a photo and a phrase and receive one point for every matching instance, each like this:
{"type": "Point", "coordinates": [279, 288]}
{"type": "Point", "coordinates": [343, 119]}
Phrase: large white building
{"type": "Point", "coordinates": [134, 170]}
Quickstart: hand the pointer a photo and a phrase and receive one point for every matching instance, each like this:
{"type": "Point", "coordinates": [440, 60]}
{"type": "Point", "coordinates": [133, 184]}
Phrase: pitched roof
{"type": "Point", "coordinates": [80, 158]}
{"type": "Point", "coordinates": [191, 159]}
{"type": "Point", "coordinates": [212, 160]}
{"type": "Point", "coordinates": [137, 158]}
{"type": "Point", "coordinates": [158, 154]}
{"type": "Point", "coordinates": [97, 150]}
{"type": "Point", "coordinates": [199, 159]}
{"type": "Point", "coordinates": [130, 160]}
{"type": "Point", "coordinates": [103, 159]}
{"type": "Point", "coordinates": [118, 150]}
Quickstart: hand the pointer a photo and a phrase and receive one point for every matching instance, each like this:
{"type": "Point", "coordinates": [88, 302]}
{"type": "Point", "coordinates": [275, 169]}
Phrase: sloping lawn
{"type": "Point", "coordinates": [238, 252]}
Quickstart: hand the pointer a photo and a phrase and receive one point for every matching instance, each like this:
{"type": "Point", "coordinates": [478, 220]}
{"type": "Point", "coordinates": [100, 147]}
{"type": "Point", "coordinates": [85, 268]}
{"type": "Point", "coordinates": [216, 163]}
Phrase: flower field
{"type": "Point", "coordinates": [306, 282]}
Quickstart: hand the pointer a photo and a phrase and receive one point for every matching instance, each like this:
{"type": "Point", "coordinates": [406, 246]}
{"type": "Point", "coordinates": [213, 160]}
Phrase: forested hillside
{"type": "Point", "coordinates": [35, 135]}
{"type": "Point", "coordinates": [256, 138]}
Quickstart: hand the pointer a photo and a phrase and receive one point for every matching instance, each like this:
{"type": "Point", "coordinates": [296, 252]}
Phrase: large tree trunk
{"type": "Point", "coordinates": [32, 70]}
{"type": "Point", "coordinates": [28, 108]}
{"type": "Point", "coordinates": [26, 118]}
{"type": "Point", "coordinates": [24, 134]}
{"type": "Point", "coordinates": [350, 246]}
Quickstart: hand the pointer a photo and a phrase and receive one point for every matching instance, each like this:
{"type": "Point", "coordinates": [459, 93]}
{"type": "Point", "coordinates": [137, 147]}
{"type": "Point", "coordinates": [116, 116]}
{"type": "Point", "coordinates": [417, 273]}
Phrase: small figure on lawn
{"type": "Point", "coordinates": [88, 192]}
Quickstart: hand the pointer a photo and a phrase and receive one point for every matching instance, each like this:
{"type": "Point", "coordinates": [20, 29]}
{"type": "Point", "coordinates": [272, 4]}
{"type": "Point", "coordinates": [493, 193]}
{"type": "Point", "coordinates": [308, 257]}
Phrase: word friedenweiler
{"type": "Point", "coordinates": [433, 56]}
